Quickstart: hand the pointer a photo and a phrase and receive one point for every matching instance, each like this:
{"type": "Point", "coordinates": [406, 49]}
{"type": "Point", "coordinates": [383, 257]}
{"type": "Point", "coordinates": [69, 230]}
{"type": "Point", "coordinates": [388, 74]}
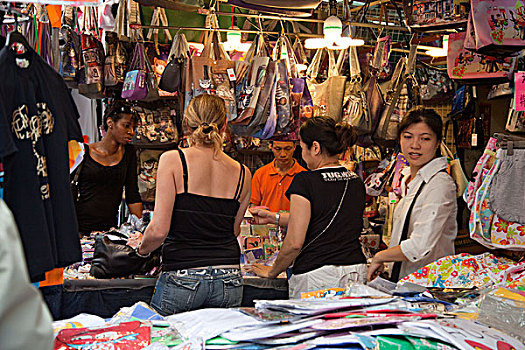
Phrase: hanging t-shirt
{"type": "Point", "coordinates": [37, 118]}
{"type": "Point", "coordinates": [339, 244]}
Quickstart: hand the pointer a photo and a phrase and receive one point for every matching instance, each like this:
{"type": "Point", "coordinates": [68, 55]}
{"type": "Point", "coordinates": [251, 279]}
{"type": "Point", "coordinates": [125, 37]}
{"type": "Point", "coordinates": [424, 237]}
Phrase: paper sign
{"type": "Point", "coordinates": [519, 91]}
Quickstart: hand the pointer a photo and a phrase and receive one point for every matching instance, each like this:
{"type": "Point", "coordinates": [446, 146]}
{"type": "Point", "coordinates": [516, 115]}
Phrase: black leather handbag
{"type": "Point", "coordinates": [172, 79]}
{"type": "Point", "coordinates": [116, 259]}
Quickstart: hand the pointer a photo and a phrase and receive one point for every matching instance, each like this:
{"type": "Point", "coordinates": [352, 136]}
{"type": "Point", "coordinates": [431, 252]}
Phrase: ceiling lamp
{"type": "Point", "coordinates": [233, 40]}
{"type": "Point", "coordinates": [332, 29]}
{"type": "Point", "coordinates": [439, 51]}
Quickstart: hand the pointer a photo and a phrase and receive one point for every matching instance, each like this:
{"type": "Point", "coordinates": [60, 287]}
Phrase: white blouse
{"type": "Point", "coordinates": [433, 226]}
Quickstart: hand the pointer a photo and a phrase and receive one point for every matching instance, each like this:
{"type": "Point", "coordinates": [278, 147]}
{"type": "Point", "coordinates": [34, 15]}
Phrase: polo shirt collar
{"type": "Point", "coordinates": [295, 169]}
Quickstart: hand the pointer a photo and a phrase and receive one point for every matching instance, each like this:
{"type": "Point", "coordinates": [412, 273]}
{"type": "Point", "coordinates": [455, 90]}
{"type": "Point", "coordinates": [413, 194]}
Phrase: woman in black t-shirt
{"type": "Point", "coordinates": [326, 212]}
{"type": "Point", "coordinates": [108, 167]}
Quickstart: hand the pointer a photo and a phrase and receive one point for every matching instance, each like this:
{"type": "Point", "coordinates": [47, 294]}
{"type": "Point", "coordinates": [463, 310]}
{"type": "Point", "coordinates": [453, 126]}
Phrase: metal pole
{"type": "Point", "coordinates": [311, 20]}
{"type": "Point", "coordinates": [139, 26]}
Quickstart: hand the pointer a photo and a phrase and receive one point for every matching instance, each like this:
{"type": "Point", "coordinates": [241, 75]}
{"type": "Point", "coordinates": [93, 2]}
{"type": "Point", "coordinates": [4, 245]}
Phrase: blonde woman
{"type": "Point", "coordinates": [201, 198]}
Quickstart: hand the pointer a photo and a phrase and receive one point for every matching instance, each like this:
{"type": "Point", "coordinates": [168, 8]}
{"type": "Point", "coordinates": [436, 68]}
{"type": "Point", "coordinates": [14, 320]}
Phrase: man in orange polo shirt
{"type": "Point", "coordinates": [270, 182]}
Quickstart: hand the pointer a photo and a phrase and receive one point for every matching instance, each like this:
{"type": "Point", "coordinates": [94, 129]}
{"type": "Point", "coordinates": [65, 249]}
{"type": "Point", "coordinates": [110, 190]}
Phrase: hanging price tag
{"type": "Point", "coordinates": [231, 74]}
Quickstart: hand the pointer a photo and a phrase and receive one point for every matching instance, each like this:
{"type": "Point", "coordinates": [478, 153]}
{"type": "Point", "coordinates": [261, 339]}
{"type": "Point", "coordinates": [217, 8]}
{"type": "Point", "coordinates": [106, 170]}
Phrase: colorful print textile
{"type": "Point", "coordinates": [480, 171]}
{"type": "Point", "coordinates": [467, 271]}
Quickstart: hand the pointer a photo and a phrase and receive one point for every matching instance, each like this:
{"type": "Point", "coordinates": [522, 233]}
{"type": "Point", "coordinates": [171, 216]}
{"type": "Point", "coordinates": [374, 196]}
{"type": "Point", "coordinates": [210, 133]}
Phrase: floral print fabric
{"type": "Point", "coordinates": [467, 271]}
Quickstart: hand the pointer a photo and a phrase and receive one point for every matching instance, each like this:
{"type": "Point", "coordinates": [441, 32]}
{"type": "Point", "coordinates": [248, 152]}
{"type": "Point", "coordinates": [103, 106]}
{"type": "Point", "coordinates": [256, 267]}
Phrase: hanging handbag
{"type": "Point", "coordinates": [135, 87]}
{"type": "Point", "coordinates": [473, 68]}
{"type": "Point", "coordinates": [269, 127]}
{"type": "Point", "coordinates": [262, 108]}
{"type": "Point", "coordinates": [355, 108]}
{"type": "Point", "coordinates": [70, 48]}
{"type": "Point", "coordinates": [209, 74]}
{"type": "Point", "coordinates": [435, 85]}
{"type": "Point", "coordinates": [455, 169]}
{"type": "Point", "coordinates": [171, 79]}
{"type": "Point", "coordinates": [398, 103]}
{"type": "Point", "coordinates": [156, 125]}
{"type": "Point", "coordinates": [114, 258]}
{"type": "Point", "coordinates": [500, 90]}
{"type": "Point", "coordinates": [93, 57]}
{"type": "Point", "coordinates": [115, 65]}
{"type": "Point", "coordinates": [248, 90]}
{"type": "Point", "coordinates": [327, 96]}
{"type": "Point", "coordinates": [466, 119]}
{"type": "Point", "coordinates": [264, 103]}
{"type": "Point", "coordinates": [302, 107]}
{"type": "Point", "coordinates": [496, 27]}
{"type": "Point", "coordinates": [286, 69]}
{"type": "Point", "coordinates": [147, 179]}
{"type": "Point", "coordinates": [152, 81]}
{"type": "Point", "coordinates": [375, 182]}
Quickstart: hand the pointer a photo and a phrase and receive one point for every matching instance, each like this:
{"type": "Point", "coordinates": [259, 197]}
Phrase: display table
{"type": "Point", "coordinates": [105, 297]}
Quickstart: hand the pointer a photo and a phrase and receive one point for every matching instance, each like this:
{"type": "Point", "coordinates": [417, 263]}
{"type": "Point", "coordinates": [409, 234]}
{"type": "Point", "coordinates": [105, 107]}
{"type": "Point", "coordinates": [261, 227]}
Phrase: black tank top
{"type": "Point", "coordinates": [202, 229]}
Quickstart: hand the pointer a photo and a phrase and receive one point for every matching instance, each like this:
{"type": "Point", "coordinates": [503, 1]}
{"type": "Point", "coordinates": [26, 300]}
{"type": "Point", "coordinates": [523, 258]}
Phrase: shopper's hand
{"type": "Point", "coordinates": [375, 269]}
{"type": "Point", "coordinates": [259, 269]}
{"type": "Point", "coordinates": [261, 216]}
{"type": "Point", "coordinates": [134, 239]}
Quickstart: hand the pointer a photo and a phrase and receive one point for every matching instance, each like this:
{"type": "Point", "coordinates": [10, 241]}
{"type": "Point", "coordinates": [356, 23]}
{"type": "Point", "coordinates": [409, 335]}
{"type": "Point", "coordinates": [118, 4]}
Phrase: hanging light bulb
{"type": "Point", "coordinates": [332, 30]}
{"type": "Point", "coordinates": [233, 40]}
{"type": "Point", "coordinates": [439, 51]}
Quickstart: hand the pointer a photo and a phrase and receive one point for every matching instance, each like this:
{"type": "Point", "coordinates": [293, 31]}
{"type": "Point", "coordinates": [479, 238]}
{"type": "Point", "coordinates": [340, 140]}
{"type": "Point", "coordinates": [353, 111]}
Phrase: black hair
{"type": "Point", "coordinates": [420, 114]}
{"type": "Point", "coordinates": [116, 111]}
{"type": "Point", "coordinates": [333, 137]}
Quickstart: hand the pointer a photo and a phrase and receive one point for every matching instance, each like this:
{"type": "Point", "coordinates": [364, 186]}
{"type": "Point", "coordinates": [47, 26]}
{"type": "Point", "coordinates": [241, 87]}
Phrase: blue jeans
{"type": "Point", "coordinates": [190, 289]}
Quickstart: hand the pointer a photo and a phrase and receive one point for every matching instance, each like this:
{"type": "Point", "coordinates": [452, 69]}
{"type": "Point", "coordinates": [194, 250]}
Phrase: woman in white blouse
{"type": "Point", "coordinates": [425, 224]}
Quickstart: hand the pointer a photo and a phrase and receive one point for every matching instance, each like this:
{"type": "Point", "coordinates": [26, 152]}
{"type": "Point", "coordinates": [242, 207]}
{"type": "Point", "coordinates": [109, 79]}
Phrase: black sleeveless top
{"type": "Point", "coordinates": [202, 229]}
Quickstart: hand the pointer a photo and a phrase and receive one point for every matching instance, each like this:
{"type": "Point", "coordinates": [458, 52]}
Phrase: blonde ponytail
{"type": "Point", "coordinates": [206, 116]}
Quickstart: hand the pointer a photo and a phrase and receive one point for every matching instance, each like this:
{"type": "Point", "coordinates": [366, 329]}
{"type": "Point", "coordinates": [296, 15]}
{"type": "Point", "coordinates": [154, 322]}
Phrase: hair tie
{"type": "Point", "coordinates": [206, 128]}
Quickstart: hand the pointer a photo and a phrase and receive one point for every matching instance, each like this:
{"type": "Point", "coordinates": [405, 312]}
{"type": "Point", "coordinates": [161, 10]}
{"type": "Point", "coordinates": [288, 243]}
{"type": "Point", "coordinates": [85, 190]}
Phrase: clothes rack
{"type": "Point", "coordinates": [509, 142]}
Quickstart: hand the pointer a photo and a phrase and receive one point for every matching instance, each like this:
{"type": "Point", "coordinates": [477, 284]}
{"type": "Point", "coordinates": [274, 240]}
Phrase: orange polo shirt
{"type": "Point", "coordinates": [268, 187]}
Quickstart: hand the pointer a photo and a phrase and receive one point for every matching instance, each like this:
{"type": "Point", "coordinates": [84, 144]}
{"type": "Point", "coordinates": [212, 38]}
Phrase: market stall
{"type": "Point", "coordinates": [275, 65]}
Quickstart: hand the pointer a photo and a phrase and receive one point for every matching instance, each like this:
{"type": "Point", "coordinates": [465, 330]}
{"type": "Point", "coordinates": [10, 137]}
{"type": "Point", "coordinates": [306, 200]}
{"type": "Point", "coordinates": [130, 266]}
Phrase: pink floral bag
{"type": "Point", "coordinates": [473, 67]}
{"type": "Point", "coordinates": [496, 27]}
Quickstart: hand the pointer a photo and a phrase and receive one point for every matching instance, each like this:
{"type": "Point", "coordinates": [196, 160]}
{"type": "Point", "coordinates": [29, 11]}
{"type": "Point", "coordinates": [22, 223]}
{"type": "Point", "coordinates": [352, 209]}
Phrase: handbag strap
{"type": "Point", "coordinates": [159, 18]}
{"type": "Point", "coordinates": [138, 57]}
{"type": "Point", "coordinates": [446, 151]}
{"type": "Point", "coordinates": [394, 81]}
{"type": "Point", "coordinates": [145, 61]}
{"type": "Point", "coordinates": [77, 174]}
{"type": "Point", "coordinates": [353, 60]}
{"type": "Point", "coordinates": [313, 68]}
{"type": "Point", "coordinates": [331, 220]}
{"type": "Point", "coordinates": [396, 269]}
{"type": "Point", "coordinates": [408, 76]}
{"type": "Point", "coordinates": [252, 50]}
{"type": "Point", "coordinates": [283, 50]}
{"type": "Point", "coordinates": [299, 51]}
{"type": "Point", "coordinates": [175, 47]}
